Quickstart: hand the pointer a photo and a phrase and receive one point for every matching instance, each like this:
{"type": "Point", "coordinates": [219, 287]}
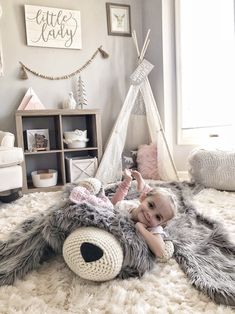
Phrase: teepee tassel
{"type": "Point", "coordinates": [104, 54]}
{"type": "Point", "coordinates": [23, 74]}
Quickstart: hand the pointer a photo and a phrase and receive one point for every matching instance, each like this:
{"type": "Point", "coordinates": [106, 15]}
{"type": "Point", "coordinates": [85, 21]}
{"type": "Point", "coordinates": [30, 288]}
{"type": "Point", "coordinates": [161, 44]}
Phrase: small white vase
{"type": "Point", "coordinates": [70, 102]}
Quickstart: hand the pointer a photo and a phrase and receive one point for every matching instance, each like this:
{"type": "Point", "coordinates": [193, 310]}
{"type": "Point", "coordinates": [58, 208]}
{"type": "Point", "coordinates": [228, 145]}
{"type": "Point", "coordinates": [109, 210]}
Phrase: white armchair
{"type": "Point", "coordinates": [10, 169]}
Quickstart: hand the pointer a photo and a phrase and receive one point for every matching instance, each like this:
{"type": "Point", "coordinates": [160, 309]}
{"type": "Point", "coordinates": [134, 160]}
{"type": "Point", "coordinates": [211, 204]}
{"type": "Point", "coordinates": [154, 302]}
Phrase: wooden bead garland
{"type": "Point", "coordinates": [24, 68]}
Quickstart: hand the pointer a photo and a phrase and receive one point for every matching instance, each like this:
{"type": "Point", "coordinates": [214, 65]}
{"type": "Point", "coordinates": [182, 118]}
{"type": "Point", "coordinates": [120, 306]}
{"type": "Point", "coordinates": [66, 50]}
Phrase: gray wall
{"type": "Point", "coordinates": [159, 16]}
{"type": "Point", "coordinates": [152, 19]}
{"type": "Point", "coordinates": [106, 80]}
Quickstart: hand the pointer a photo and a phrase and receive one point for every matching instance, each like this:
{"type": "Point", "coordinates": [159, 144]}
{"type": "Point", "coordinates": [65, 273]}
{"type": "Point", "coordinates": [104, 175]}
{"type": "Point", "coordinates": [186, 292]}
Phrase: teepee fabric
{"type": "Point", "coordinates": [110, 168]}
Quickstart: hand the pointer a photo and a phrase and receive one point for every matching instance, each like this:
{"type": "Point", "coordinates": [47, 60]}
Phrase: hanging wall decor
{"type": "Point", "coordinates": [25, 68]}
{"type": "Point", "coordinates": [53, 27]}
{"type": "Point", "coordinates": [118, 19]}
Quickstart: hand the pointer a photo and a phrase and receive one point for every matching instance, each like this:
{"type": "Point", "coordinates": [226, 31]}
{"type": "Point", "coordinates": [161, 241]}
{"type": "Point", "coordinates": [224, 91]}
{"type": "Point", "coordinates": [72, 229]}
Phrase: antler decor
{"type": "Point", "coordinates": [25, 68]}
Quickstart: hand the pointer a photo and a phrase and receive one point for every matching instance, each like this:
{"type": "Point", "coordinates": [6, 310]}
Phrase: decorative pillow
{"type": "Point", "coordinates": [213, 168]}
{"type": "Point", "coordinates": [147, 161]}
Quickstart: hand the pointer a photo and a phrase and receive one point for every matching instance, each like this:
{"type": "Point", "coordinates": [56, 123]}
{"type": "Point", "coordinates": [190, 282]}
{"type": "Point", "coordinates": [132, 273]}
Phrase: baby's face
{"type": "Point", "coordinates": [154, 210]}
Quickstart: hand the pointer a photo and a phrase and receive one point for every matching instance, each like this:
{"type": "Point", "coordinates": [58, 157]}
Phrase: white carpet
{"type": "Point", "coordinates": [54, 289]}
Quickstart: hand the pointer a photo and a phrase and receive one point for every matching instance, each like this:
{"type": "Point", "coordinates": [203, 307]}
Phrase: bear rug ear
{"type": "Point", "coordinates": [93, 254]}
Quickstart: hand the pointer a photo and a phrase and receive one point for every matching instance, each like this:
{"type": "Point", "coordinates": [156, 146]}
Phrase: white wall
{"type": "Point", "coordinates": [106, 80]}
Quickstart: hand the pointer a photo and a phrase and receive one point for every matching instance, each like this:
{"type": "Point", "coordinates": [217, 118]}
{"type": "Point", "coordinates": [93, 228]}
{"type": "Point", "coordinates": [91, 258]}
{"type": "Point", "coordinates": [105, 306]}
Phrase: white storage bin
{"type": "Point", "coordinates": [44, 178]}
{"type": "Point", "coordinates": [76, 139]}
{"type": "Point", "coordinates": [77, 144]}
{"type": "Point", "coordinates": [81, 167]}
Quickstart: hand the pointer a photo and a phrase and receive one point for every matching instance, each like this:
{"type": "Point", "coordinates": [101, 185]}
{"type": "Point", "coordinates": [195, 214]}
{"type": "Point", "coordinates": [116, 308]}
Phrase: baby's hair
{"type": "Point", "coordinates": [166, 192]}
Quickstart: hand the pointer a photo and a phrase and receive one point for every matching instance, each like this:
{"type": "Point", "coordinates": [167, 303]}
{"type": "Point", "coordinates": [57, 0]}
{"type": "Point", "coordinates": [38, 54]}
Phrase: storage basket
{"type": "Point", "coordinates": [81, 167]}
{"type": "Point", "coordinates": [44, 178]}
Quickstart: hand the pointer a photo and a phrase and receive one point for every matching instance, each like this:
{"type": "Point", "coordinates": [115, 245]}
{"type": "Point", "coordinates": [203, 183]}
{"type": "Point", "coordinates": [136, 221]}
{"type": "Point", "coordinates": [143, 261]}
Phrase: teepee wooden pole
{"type": "Point", "coordinates": [136, 42]}
{"type": "Point", "coordinates": [144, 45]}
{"type": "Point", "coordinates": [144, 50]}
{"type": "Point", "coordinates": [168, 149]}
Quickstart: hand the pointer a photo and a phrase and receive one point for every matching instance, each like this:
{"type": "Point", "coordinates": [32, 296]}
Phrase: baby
{"type": "Point", "coordinates": [154, 208]}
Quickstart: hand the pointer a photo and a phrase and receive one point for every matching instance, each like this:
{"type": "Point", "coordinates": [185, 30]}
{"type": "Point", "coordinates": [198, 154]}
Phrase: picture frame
{"type": "Point", "coordinates": [53, 27]}
{"type": "Point", "coordinates": [118, 19]}
{"type": "Point", "coordinates": [37, 140]}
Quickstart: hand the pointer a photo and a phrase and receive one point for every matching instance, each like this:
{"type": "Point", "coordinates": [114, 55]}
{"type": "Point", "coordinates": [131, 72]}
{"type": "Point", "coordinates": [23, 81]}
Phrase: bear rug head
{"type": "Point", "coordinates": [93, 254]}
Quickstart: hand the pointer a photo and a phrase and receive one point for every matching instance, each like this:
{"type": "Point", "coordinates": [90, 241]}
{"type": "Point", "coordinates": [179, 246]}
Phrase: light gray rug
{"type": "Point", "coordinates": [55, 289]}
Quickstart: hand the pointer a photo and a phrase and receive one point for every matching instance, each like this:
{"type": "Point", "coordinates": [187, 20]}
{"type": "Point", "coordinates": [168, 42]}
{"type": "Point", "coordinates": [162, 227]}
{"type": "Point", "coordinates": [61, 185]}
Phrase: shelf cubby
{"type": "Point", "coordinates": [57, 122]}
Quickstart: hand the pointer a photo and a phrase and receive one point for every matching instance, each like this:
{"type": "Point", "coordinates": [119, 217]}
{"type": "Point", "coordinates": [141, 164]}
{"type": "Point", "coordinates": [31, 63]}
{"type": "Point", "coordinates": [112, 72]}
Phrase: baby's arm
{"type": "Point", "coordinates": [154, 241]}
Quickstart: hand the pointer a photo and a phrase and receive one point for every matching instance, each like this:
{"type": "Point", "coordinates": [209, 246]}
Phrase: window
{"type": "Point", "coordinates": [205, 69]}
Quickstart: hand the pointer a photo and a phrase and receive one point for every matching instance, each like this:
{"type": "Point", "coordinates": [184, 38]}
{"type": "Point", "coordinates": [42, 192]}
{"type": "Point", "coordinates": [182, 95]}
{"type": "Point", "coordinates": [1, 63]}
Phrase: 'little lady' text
{"type": "Point", "coordinates": [56, 26]}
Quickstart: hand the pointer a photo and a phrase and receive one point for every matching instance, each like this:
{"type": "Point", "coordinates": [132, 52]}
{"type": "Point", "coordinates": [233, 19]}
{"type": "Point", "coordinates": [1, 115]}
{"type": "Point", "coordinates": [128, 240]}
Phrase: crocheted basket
{"type": "Point", "coordinates": [213, 168]}
{"type": "Point", "coordinates": [93, 254]}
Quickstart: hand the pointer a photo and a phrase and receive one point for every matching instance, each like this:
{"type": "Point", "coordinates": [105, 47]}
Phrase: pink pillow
{"type": "Point", "coordinates": [147, 161]}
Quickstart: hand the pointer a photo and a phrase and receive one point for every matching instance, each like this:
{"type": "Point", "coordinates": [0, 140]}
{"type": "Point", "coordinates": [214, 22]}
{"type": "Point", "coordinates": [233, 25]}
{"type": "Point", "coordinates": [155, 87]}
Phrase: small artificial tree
{"type": "Point", "coordinates": [81, 93]}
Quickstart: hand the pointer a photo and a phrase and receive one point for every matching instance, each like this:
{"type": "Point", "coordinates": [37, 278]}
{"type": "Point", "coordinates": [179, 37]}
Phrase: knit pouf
{"type": "Point", "coordinates": [93, 254]}
{"type": "Point", "coordinates": [213, 168]}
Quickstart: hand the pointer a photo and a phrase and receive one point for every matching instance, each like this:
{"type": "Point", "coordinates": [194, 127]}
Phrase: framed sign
{"type": "Point", "coordinates": [118, 19]}
{"type": "Point", "coordinates": [53, 27]}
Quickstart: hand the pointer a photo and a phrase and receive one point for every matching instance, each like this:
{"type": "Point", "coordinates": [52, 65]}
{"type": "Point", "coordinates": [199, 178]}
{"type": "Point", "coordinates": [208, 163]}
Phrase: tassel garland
{"type": "Point", "coordinates": [104, 54]}
{"type": "Point", "coordinates": [23, 74]}
{"type": "Point", "coordinates": [24, 68]}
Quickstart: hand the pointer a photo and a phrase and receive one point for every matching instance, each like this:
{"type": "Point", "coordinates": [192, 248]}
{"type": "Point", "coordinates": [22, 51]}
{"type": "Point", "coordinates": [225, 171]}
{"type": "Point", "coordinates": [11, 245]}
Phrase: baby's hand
{"type": "Point", "coordinates": [140, 226]}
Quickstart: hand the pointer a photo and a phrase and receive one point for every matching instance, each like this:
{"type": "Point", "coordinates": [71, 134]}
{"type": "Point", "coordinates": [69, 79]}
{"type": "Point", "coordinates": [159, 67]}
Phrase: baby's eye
{"type": "Point", "coordinates": [150, 205]}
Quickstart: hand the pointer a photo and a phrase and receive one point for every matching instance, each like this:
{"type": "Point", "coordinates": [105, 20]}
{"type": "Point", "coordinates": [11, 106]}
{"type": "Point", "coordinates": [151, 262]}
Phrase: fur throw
{"type": "Point", "coordinates": [202, 248]}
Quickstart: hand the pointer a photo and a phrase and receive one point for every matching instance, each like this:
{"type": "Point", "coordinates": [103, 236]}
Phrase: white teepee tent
{"type": "Point", "coordinates": [110, 168]}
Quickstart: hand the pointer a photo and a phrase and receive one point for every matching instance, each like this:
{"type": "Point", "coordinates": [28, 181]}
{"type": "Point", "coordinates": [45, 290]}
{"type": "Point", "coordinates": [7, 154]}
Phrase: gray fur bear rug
{"type": "Point", "coordinates": [202, 248]}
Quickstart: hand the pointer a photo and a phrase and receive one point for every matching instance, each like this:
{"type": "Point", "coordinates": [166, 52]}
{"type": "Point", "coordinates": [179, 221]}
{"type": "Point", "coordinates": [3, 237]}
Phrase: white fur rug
{"type": "Point", "coordinates": [54, 289]}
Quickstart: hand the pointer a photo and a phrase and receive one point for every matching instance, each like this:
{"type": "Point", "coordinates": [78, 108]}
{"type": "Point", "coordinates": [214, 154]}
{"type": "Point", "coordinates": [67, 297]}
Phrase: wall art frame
{"type": "Point", "coordinates": [53, 27]}
{"type": "Point", "coordinates": [118, 19]}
